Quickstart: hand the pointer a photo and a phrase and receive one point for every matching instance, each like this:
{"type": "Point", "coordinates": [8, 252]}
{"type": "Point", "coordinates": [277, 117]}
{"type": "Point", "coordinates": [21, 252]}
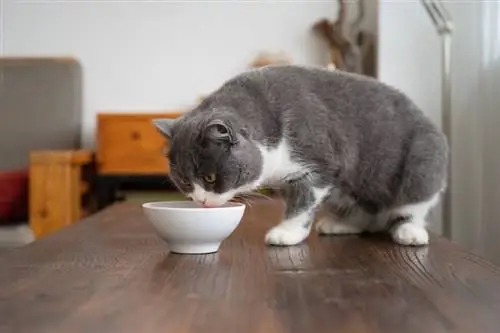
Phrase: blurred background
{"type": "Point", "coordinates": [80, 81]}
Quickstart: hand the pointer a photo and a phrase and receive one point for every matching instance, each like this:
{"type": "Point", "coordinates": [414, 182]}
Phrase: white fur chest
{"type": "Point", "coordinates": [278, 164]}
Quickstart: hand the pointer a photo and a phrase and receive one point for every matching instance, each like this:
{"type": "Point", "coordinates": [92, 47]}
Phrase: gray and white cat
{"type": "Point", "coordinates": [351, 145]}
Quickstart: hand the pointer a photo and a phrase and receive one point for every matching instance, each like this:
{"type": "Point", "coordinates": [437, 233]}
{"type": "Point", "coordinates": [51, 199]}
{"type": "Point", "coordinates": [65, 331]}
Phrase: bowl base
{"type": "Point", "coordinates": [194, 248]}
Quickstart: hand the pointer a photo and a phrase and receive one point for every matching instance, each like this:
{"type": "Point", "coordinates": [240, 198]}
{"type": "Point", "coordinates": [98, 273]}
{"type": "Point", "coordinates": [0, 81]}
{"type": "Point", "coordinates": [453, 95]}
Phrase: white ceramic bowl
{"type": "Point", "coordinates": [192, 229]}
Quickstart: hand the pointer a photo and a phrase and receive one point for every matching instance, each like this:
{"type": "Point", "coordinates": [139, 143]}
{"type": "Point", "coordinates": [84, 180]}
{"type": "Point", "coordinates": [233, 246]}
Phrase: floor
{"type": "Point", "coordinates": [14, 236]}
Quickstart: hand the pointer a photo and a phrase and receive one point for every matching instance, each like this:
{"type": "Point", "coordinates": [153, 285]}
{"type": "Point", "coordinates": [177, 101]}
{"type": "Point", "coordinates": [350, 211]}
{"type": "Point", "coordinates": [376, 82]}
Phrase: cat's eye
{"type": "Point", "coordinates": [209, 179]}
{"type": "Point", "coordinates": [222, 129]}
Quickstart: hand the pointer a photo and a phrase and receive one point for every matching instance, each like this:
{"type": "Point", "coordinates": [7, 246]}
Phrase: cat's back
{"type": "Point", "coordinates": [328, 96]}
{"type": "Point", "coordinates": [292, 82]}
{"type": "Point", "coordinates": [269, 97]}
{"type": "Point", "coordinates": [289, 87]}
{"type": "Point", "coordinates": [277, 88]}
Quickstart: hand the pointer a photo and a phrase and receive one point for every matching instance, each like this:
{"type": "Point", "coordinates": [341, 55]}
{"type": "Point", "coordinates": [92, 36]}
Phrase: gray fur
{"type": "Point", "coordinates": [299, 197]}
{"type": "Point", "coordinates": [197, 148]}
{"type": "Point", "coordinates": [361, 137]}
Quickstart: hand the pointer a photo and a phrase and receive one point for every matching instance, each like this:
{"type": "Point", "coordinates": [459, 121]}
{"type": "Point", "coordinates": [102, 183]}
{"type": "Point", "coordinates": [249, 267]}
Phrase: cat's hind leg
{"type": "Point", "coordinates": [408, 222]}
{"type": "Point", "coordinates": [422, 180]}
{"type": "Point", "coordinates": [345, 218]}
{"type": "Point", "coordinates": [302, 200]}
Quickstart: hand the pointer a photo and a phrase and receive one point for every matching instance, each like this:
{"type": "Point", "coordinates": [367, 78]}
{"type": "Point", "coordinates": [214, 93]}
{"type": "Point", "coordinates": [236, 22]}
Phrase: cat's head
{"type": "Point", "coordinates": [211, 158]}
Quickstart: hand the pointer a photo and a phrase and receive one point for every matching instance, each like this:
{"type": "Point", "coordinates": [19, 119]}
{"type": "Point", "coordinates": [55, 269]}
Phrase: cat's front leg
{"type": "Point", "coordinates": [301, 199]}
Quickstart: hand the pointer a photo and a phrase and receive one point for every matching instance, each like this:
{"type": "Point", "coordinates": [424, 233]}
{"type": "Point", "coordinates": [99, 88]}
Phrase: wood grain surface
{"type": "Point", "coordinates": [111, 274]}
{"type": "Point", "coordinates": [56, 189]}
{"type": "Point", "coordinates": [129, 144]}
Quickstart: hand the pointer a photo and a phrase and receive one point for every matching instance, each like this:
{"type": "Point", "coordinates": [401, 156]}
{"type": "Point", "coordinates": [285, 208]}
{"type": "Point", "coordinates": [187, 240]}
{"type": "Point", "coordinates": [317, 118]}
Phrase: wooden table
{"type": "Point", "coordinates": [111, 274]}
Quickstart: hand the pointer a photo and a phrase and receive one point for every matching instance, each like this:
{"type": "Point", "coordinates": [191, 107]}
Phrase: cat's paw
{"type": "Point", "coordinates": [328, 226]}
{"type": "Point", "coordinates": [286, 235]}
{"type": "Point", "coordinates": [410, 234]}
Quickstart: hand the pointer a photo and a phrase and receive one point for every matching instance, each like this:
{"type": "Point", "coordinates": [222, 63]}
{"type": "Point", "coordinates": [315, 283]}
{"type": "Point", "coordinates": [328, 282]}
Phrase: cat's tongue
{"type": "Point", "coordinates": [206, 206]}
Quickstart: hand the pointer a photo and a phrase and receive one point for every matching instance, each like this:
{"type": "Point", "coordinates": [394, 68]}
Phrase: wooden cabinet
{"type": "Point", "coordinates": [129, 144]}
{"type": "Point", "coordinates": [57, 188]}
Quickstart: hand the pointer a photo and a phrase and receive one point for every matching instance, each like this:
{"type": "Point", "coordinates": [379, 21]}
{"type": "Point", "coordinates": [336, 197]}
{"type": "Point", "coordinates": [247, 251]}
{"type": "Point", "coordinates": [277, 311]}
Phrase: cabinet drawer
{"type": "Point", "coordinates": [130, 144]}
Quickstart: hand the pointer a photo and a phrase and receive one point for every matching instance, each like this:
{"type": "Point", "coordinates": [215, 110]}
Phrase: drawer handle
{"type": "Point", "coordinates": [43, 213]}
{"type": "Point", "coordinates": [135, 135]}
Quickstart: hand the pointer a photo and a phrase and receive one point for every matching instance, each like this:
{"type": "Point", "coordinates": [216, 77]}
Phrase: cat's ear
{"type": "Point", "coordinates": [218, 130]}
{"type": "Point", "coordinates": [164, 126]}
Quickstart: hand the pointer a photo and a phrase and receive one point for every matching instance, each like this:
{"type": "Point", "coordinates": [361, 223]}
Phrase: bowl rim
{"type": "Point", "coordinates": [153, 206]}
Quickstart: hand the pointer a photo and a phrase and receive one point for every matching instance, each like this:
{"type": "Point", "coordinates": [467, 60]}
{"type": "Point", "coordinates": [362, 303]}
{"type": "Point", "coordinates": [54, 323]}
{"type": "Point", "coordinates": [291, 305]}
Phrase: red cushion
{"type": "Point", "coordinates": [13, 195]}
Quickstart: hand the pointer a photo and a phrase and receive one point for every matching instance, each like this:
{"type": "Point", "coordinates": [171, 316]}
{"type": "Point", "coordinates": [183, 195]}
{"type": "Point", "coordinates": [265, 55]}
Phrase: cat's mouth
{"type": "Point", "coordinates": [208, 204]}
{"type": "Point", "coordinates": [208, 199]}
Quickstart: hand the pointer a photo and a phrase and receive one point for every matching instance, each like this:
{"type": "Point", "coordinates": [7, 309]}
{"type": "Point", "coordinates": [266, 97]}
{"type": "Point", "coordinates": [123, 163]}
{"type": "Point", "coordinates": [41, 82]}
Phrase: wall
{"type": "Point", "coordinates": [409, 59]}
{"type": "Point", "coordinates": [161, 55]}
{"type": "Point", "coordinates": [409, 53]}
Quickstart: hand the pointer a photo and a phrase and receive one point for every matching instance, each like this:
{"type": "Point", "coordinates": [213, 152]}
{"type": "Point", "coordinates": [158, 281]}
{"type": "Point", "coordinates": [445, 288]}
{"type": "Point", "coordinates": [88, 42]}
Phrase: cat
{"type": "Point", "coordinates": [352, 146]}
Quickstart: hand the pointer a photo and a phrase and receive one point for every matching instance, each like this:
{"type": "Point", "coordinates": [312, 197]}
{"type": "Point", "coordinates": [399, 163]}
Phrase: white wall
{"type": "Point", "coordinates": [409, 53]}
{"type": "Point", "coordinates": [157, 56]}
{"type": "Point", "coordinates": [409, 58]}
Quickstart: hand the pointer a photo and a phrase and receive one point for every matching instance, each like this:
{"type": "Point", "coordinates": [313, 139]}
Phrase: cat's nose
{"type": "Point", "coordinates": [204, 204]}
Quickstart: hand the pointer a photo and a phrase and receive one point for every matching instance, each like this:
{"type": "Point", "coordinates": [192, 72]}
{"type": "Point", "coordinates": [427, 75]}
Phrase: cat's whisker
{"type": "Point", "coordinates": [243, 200]}
{"type": "Point", "coordinates": [257, 195]}
{"type": "Point", "coordinates": [245, 197]}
